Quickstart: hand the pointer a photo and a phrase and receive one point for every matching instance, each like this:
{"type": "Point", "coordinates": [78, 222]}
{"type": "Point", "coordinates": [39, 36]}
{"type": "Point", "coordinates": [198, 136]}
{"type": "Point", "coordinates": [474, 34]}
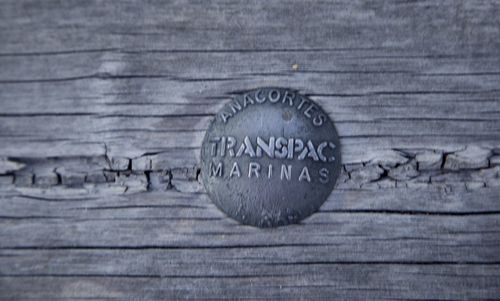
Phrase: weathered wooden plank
{"type": "Point", "coordinates": [382, 118]}
{"type": "Point", "coordinates": [355, 72]}
{"type": "Point", "coordinates": [187, 262]}
{"type": "Point", "coordinates": [118, 75]}
{"type": "Point", "coordinates": [88, 201]}
{"type": "Point", "coordinates": [396, 229]}
{"type": "Point", "coordinates": [155, 134]}
{"type": "Point", "coordinates": [425, 25]}
{"type": "Point", "coordinates": [331, 237]}
{"type": "Point", "coordinates": [290, 282]}
{"type": "Point", "coordinates": [123, 97]}
{"type": "Point", "coordinates": [358, 110]}
{"type": "Point", "coordinates": [103, 107]}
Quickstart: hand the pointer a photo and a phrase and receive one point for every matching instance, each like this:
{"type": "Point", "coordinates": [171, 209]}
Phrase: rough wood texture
{"type": "Point", "coordinates": [103, 106]}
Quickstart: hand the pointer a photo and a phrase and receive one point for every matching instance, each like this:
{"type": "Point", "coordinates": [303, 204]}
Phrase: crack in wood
{"type": "Point", "coordinates": [470, 166]}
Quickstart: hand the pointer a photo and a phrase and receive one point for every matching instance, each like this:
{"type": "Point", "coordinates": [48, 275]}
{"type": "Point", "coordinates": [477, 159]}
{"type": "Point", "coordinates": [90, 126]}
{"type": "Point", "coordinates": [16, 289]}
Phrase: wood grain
{"type": "Point", "coordinates": [103, 106]}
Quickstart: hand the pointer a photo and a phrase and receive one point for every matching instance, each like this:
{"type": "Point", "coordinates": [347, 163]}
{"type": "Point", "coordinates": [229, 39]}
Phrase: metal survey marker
{"type": "Point", "coordinates": [270, 157]}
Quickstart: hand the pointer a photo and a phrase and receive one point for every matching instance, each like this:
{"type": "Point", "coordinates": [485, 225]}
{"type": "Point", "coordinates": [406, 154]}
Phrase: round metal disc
{"type": "Point", "coordinates": [270, 157]}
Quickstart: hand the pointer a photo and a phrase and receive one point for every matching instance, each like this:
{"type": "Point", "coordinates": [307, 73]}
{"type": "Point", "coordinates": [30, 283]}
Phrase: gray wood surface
{"type": "Point", "coordinates": [103, 106]}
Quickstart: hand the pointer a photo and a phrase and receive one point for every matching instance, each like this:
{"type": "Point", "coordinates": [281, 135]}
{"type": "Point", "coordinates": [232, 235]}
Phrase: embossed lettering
{"type": "Point", "coordinates": [332, 146]}
{"type": "Point", "coordinates": [231, 142]}
{"type": "Point", "coordinates": [286, 172]}
{"type": "Point", "coordinates": [299, 145]}
{"type": "Point", "coordinates": [246, 148]}
{"type": "Point", "coordinates": [258, 98]}
{"type": "Point", "coordinates": [213, 142]}
{"type": "Point", "coordinates": [235, 106]}
{"type": "Point", "coordinates": [320, 151]}
{"type": "Point", "coordinates": [310, 109]}
{"type": "Point", "coordinates": [303, 101]}
{"type": "Point", "coordinates": [269, 171]}
{"type": "Point", "coordinates": [268, 148]}
{"type": "Point", "coordinates": [290, 148]}
{"type": "Point", "coordinates": [274, 96]}
{"type": "Point", "coordinates": [281, 150]}
{"type": "Point", "coordinates": [272, 147]}
{"type": "Point", "coordinates": [223, 147]}
{"type": "Point", "coordinates": [216, 171]}
{"type": "Point", "coordinates": [304, 175]}
{"type": "Point", "coordinates": [235, 170]}
{"type": "Point", "coordinates": [253, 168]}
{"type": "Point", "coordinates": [288, 97]}
{"type": "Point", "coordinates": [323, 175]}
{"type": "Point", "coordinates": [318, 120]}
{"type": "Point", "coordinates": [224, 116]}
{"type": "Point", "coordinates": [312, 151]}
{"type": "Point", "coordinates": [247, 100]}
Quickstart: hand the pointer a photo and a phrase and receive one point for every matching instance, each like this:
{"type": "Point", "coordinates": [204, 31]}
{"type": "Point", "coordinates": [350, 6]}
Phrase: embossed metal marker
{"type": "Point", "coordinates": [271, 157]}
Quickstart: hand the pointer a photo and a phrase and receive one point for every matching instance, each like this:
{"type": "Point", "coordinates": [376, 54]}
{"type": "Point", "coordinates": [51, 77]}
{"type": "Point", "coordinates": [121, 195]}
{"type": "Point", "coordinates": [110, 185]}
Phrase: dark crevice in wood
{"type": "Point", "coordinates": [148, 178]}
{"type": "Point", "coordinates": [256, 50]}
{"type": "Point", "coordinates": [32, 217]}
{"type": "Point", "coordinates": [155, 115]}
{"type": "Point", "coordinates": [174, 206]}
{"type": "Point", "coordinates": [414, 212]}
{"type": "Point", "coordinates": [46, 80]}
{"type": "Point", "coordinates": [434, 119]}
{"type": "Point", "coordinates": [63, 52]}
{"type": "Point", "coordinates": [167, 247]}
{"type": "Point", "coordinates": [384, 262]}
{"type": "Point", "coordinates": [198, 174]}
{"type": "Point", "coordinates": [384, 93]}
{"type": "Point", "coordinates": [354, 71]}
{"type": "Point", "coordinates": [461, 74]}
{"type": "Point", "coordinates": [45, 114]}
{"type": "Point", "coordinates": [58, 199]}
{"type": "Point", "coordinates": [157, 276]}
{"type": "Point", "coordinates": [108, 76]}
{"type": "Point", "coordinates": [165, 219]}
{"type": "Point", "coordinates": [147, 131]}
